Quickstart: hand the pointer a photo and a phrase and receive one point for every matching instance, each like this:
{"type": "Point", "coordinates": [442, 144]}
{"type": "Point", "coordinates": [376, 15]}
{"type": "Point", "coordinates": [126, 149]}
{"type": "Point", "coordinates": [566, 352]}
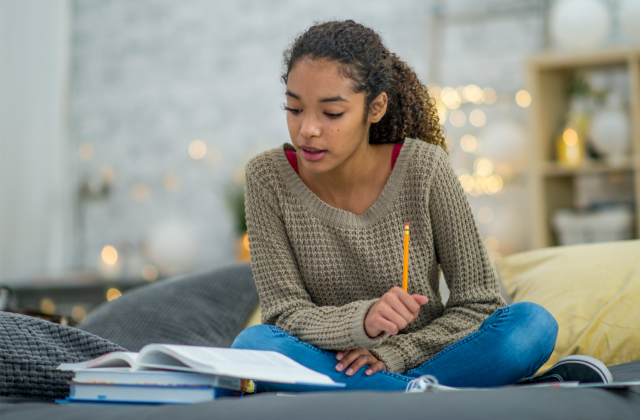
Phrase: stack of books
{"type": "Point", "coordinates": [175, 374]}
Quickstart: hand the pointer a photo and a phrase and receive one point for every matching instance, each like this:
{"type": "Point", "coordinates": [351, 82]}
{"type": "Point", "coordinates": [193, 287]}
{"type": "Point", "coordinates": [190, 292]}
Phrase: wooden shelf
{"type": "Point", "coordinates": [552, 185]}
{"type": "Point", "coordinates": [551, 169]}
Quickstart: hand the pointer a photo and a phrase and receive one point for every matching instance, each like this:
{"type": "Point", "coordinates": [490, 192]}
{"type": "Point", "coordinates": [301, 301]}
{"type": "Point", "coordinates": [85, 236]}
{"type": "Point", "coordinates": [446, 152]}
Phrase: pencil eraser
{"type": "Point", "coordinates": [406, 224]}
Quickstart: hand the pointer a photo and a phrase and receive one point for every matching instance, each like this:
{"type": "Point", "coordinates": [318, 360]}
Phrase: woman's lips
{"type": "Point", "coordinates": [313, 156]}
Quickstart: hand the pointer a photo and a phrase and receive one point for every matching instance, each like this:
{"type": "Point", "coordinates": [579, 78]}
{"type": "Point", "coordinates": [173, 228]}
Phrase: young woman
{"type": "Point", "coordinates": [326, 216]}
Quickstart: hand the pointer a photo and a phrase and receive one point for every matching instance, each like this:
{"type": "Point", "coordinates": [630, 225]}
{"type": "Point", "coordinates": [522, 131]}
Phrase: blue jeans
{"type": "Point", "coordinates": [511, 344]}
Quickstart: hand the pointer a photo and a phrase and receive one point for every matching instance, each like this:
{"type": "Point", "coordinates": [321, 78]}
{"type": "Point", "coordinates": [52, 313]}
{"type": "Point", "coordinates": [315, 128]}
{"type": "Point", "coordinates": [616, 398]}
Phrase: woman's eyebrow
{"type": "Point", "coordinates": [337, 98]}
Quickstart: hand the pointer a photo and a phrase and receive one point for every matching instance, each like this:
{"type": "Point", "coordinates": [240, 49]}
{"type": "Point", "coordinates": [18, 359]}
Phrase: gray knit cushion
{"type": "Point", "coordinates": [30, 350]}
{"type": "Point", "coordinates": [206, 309]}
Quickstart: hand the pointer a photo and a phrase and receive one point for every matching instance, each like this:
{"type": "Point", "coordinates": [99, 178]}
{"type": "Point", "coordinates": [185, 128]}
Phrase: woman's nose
{"type": "Point", "coordinates": [310, 127]}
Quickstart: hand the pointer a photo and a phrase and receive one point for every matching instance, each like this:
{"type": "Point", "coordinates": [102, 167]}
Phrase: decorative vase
{"type": "Point", "coordinates": [610, 131]}
{"type": "Point", "coordinates": [579, 24]}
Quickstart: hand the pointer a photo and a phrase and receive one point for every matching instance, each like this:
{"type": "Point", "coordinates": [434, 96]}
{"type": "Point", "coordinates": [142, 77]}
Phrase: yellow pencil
{"type": "Point", "coordinates": [405, 265]}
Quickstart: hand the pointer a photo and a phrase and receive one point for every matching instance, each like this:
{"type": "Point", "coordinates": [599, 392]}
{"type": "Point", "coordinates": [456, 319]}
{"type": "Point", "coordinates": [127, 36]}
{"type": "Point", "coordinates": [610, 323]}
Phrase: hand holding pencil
{"type": "Point", "coordinates": [396, 308]}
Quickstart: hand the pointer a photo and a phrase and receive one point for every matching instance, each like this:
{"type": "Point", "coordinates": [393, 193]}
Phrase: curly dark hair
{"type": "Point", "coordinates": [363, 57]}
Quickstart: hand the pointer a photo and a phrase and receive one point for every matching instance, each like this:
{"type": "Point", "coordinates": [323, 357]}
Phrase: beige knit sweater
{"type": "Point", "coordinates": [319, 269]}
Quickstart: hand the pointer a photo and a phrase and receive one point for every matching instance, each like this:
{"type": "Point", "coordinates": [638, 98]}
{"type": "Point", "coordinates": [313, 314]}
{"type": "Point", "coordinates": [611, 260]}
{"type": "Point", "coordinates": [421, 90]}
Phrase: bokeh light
{"type": "Point", "coordinates": [490, 96]}
{"type": "Point", "coordinates": [113, 293]}
{"type": "Point", "coordinates": [523, 98]}
{"type": "Point", "coordinates": [570, 137]}
{"type": "Point", "coordinates": [460, 90]}
{"type": "Point", "coordinates": [78, 313]}
{"type": "Point", "coordinates": [245, 241]}
{"type": "Point", "coordinates": [467, 182]}
{"type": "Point", "coordinates": [483, 167]}
{"type": "Point", "coordinates": [149, 272]}
{"type": "Point", "coordinates": [469, 143]}
{"type": "Point", "coordinates": [493, 184]}
{"type": "Point", "coordinates": [47, 306]}
{"type": "Point", "coordinates": [108, 174]}
{"type": "Point", "coordinates": [197, 149]}
{"type": "Point", "coordinates": [171, 182]}
{"type": "Point", "coordinates": [139, 192]}
{"type": "Point", "coordinates": [457, 118]}
{"type": "Point", "coordinates": [477, 118]}
{"type": "Point", "coordinates": [450, 98]}
{"type": "Point", "coordinates": [109, 255]}
{"type": "Point", "coordinates": [474, 94]}
{"type": "Point", "coordinates": [86, 152]}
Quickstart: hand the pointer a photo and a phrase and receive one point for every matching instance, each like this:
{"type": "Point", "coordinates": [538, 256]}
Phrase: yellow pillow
{"type": "Point", "coordinates": [592, 290]}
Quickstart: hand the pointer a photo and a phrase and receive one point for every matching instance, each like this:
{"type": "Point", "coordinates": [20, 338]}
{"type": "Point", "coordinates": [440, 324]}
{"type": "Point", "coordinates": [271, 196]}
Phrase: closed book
{"type": "Point", "coordinates": [165, 394]}
{"type": "Point", "coordinates": [158, 377]}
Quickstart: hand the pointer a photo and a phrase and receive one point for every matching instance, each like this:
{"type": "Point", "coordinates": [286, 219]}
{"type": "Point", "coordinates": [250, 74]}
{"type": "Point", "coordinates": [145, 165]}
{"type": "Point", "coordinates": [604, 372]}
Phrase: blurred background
{"type": "Point", "coordinates": [125, 127]}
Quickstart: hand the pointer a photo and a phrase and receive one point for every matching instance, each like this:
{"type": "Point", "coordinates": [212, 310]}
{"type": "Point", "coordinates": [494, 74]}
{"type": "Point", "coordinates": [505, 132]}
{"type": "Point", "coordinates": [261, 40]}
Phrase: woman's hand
{"type": "Point", "coordinates": [393, 312]}
{"type": "Point", "coordinates": [355, 359]}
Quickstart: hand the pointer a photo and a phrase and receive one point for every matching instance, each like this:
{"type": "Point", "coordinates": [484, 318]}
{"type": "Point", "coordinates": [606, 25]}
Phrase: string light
{"type": "Point", "coordinates": [477, 118]}
{"type": "Point", "coordinates": [109, 255]}
{"type": "Point", "coordinates": [523, 98]}
{"type": "Point", "coordinates": [197, 149]}
{"type": "Point", "coordinates": [113, 293]}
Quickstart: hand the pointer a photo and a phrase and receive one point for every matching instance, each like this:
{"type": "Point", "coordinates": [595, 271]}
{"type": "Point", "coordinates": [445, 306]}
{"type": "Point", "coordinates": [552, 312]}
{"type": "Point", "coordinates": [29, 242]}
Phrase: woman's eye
{"type": "Point", "coordinates": [333, 115]}
{"type": "Point", "coordinates": [292, 110]}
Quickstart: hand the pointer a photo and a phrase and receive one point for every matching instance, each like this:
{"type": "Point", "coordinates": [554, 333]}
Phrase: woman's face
{"type": "Point", "coordinates": [324, 116]}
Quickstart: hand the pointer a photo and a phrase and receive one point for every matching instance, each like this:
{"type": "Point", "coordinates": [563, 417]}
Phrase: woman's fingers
{"type": "Point", "coordinates": [348, 359]}
{"type": "Point", "coordinates": [362, 360]}
{"type": "Point", "coordinates": [376, 367]}
{"type": "Point", "coordinates": [421, 300]}
{"type": "Point", "coordinates": [398, 320]}
{"type": "Point", "coordinates": [399, 304]}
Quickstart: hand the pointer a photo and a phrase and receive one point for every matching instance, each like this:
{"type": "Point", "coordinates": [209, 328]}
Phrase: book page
{"type": "Point", "coordinates": [239, 363]}
{"type": "Point", "coordinates": [116, 359]}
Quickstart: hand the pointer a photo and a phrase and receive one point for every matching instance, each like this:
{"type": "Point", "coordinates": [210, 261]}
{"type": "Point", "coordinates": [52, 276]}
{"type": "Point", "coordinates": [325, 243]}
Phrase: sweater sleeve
{"type": "Point", "coordinates": [474, 293]}
{"type": "Point", "coordinates": [284, 299]}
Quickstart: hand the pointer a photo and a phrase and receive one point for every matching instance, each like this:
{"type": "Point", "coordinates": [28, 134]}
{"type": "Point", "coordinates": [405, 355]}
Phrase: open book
{"type": "Point", "coordinates": [268, 366]}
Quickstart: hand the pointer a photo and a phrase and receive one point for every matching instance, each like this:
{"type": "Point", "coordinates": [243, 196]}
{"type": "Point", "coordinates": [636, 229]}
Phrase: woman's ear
{"type": "Point", "coordinates": [378, 108]}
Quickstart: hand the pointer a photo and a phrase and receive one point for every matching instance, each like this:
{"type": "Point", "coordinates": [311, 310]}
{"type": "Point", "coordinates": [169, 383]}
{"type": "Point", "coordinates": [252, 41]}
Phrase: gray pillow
{"type": "Point", "coordinates": [31, 348]}
{"type": "Point", "coordinates": [205, 309]}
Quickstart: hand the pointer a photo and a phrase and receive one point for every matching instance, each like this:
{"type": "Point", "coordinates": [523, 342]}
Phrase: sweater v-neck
{"type": "Point", "coordinates": [339, 217]}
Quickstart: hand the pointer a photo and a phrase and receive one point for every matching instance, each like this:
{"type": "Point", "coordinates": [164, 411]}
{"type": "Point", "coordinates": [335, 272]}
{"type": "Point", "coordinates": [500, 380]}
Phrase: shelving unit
{"type": "Point", "coordinates": [551, 183]}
